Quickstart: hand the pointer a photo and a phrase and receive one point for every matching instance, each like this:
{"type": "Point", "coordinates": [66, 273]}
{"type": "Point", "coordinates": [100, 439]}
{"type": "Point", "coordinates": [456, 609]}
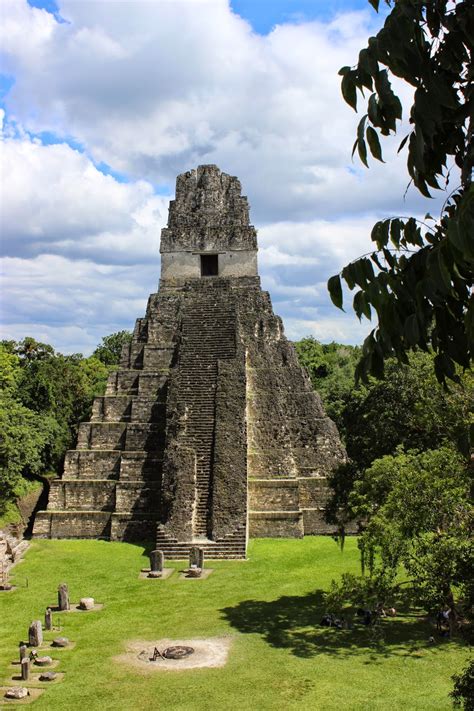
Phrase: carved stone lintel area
{"type": "Point", "coordinates": [209, 431]}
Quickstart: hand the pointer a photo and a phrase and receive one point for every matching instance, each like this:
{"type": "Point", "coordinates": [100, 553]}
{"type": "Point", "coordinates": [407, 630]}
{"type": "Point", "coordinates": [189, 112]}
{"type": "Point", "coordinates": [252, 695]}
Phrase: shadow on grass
{"type": "Point", "coordinates": [293, 622]}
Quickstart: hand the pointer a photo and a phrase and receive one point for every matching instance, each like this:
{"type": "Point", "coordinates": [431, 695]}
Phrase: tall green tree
{"type": "Point", "coordinates": [43, 397]}
{"type": "Point", "coordinates": [418, 514]}
{"type": "Point", "coordinates": [419, 277]}
{"type": "Point", "coordinates": [110, 349]}
{"type": "Point", "coordinates": [331, 368]}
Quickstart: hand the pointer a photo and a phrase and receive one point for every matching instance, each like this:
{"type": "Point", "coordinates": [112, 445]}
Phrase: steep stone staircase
{"type": "Point", "coordinates": [208, 335]}
{"type": "Point", "coordinates": [208, 331]}
{"type": "Point", "coordinates": [232, 546]}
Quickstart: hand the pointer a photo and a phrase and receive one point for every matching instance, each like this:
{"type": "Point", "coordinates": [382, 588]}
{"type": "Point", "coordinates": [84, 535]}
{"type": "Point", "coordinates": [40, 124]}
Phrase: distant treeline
{"type": "Point", "coordinates": [43, 397]}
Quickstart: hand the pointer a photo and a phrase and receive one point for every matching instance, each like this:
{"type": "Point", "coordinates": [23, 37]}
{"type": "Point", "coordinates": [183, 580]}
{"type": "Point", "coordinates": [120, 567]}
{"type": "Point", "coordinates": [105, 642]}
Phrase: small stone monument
{"type": "Point", "coordinates": [86, 603]}
{"type": "Point", "coordinates": [43, 661]}
{"type": "Point", "coordinates": [25, 669]}
{"type": "Point", "coordinates": [63, 597]}
{"type": "Point", "coordinates": [47, 676]}
{"type": "Point", "coordinates": [200, 560]}
{"type": "Point", "coordinates": [194, 556]}
{"type": "Point", "coordinates": [157, 560]}
{"type": "Point", "coordinates": [17, 692]}
{"type": "Point", "coordinates": [35, 634]}
{"type": "Point", "coordinates": [60, 642]}
{"type": "Point", "coordinates": [196, 562]}
{"type": "Point", "coordinates": [48, 619]}
{"type": "Point", "coordinates": [23, 651]}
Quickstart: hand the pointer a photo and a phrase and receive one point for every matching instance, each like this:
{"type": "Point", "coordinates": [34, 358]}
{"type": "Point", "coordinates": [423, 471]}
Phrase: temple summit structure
{"type": "Point", "coordinates": [209, 431]}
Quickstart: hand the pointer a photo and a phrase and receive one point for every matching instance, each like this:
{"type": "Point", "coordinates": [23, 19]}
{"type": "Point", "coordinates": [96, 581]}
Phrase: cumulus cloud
{"type": "Point", "coordinates": [72, 303]}
{"type": "Point", "coordinates": [155, 88]}
{"type": "Point", "coordinates": [54, 200]}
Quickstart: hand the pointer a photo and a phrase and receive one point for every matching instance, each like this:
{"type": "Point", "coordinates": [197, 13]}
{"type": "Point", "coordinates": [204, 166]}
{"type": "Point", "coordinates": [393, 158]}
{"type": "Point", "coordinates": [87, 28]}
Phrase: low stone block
{"type": "Point", "coordinates": [16, 692]}
{"type": "Point", "coordinates": [86, 603]}
{"type": "Point", "coordinates": [48, 676]}
{"type": "Point", "coordinates": [60, 642]}
{"type": "Point", "coordinates": [43, 661]}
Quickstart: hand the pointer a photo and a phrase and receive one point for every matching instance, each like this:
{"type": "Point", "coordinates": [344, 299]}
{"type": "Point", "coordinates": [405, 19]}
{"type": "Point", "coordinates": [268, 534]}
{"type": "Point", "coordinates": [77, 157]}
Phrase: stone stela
{"type": "Point", "coordinates": [209, 431]}
{"type": "Point", "coordinates": [157, 562]}
{"type": "Point", "coordinates": [63, 597]}
{"type": "Point", "coordinates": [35, 634]}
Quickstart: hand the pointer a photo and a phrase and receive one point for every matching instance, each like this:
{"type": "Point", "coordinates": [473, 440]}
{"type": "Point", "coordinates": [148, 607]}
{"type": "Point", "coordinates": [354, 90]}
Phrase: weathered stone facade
{"type": "Point", "coordinates": [210, 430]}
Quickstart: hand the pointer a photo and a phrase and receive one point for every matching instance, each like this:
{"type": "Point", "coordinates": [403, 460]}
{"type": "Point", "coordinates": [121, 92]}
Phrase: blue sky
{"type": "Point", "coordinates": [105, 103]}
{"type": "Point", "coordinates": [263, 15]}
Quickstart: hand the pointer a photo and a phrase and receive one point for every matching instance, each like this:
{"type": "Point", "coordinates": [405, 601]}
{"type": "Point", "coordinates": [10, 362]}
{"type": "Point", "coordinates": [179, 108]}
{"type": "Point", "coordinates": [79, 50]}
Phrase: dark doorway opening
{"type": "Point", "coordinates": [209, 265]}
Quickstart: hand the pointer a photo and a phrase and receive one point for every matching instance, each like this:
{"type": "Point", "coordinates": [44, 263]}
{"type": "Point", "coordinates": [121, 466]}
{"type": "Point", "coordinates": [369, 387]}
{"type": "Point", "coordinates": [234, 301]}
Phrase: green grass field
{"type": "Point", "coordinates": [271, 604]}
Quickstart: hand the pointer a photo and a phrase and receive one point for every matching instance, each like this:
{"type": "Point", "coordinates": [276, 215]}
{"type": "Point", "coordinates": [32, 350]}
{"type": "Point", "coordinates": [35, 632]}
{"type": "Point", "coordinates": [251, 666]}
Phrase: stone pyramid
{"type": "Point", "coordinates": [209, 431]}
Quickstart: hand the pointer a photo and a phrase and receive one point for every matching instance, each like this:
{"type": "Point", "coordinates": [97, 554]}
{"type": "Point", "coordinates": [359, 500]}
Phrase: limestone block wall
{"type": "Point", "coordinates": [274, 494]}
{"type": "Point", "coordinates": [141, 466]}
{"type": "Point", "coordinates": [90, 464]}
{"type": "Point", "coordinates": [111, 486]}
{"type": "Point", "coordinates": [82, 495]}
{"type": "Point", "coordinates": [292, 444]}
{"type": "Point", "coordinates": [67, 524]}
{"type": "Point", "coordinates": [187, 265]}
{"type": "Point", "coordinates": [276, 524]}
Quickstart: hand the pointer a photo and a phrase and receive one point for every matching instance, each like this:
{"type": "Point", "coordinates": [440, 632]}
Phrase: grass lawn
{"type": "Point", "coordinates": [280, 658]}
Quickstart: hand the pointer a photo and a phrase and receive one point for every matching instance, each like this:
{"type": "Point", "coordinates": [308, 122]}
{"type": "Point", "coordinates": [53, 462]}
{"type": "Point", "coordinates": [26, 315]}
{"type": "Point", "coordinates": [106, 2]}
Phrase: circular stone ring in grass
{"type": "Point", "coordinates": [176, 654]}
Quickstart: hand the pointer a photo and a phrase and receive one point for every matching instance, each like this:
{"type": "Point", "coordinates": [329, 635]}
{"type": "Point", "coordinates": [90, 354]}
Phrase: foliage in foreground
{"type": "Point", "coordinates": [419, 277]}
{"type": "Point", "coordinates": [407, 485]}
{"type": "Point", "coordinates": [463, 692]}
{"type": "Point", "coordinates": [407, 408]}
{"type": "Point", "coordinates": [419, 517]}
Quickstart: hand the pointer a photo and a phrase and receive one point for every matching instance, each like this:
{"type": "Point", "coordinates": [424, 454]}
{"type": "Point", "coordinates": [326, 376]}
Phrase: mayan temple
{"type": "Point", "coordinates": [210, 431]}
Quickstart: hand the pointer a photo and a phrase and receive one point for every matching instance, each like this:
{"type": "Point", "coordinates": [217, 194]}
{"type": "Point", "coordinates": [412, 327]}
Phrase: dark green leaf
{"type": "Point", "coordinates": [411, 330]}
{"type": "Point", "coordinates": [400, 147]}
{"type": "Point", "coordinates": [444, 271]}
{"type": "Point", "coordinates": [362, 151]}
{"type": "Point", "coordinates": [335, 290]}
{"type": "Point", "coordinates": [395, 233]}
{"type": "Point", "coordinates": [361, 305]}
{"type": "Point", "coordinates": [348, 89]}
{"type": "Point", "coordinates": [374, 143]}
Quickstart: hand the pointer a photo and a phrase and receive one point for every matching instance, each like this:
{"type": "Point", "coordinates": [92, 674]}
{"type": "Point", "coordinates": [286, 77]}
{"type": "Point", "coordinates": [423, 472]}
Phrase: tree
{"type": "Point", "coordinates": [29, 349]}
{"type": "Point", "coordinates": [463, 692]}
{"type": "Point", "coordinates": [331, 369]}
{"type": "Point", "coordinates": [26, 445]}
{"type": "Point", "coordinates": [110, 349]}
{"type": "Point", "coordinates": [43, 396]}
{"type": "Point", "coordinates": [408, 407]}
{"type": "Point", "coordinates": [417, 516]}
{"type": "Point", "coordinates": [419, 278]}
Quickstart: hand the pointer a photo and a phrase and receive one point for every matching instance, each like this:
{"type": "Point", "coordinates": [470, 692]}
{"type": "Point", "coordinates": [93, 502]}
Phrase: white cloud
{"type": "Point", "coordinates": [156, 88]}
{"type": "Point", "coordinates": [153, 89]}
{"type": "Point", "coordinates": [73, 303]}
{"type": "Point", "coordinates": [54, 200]}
